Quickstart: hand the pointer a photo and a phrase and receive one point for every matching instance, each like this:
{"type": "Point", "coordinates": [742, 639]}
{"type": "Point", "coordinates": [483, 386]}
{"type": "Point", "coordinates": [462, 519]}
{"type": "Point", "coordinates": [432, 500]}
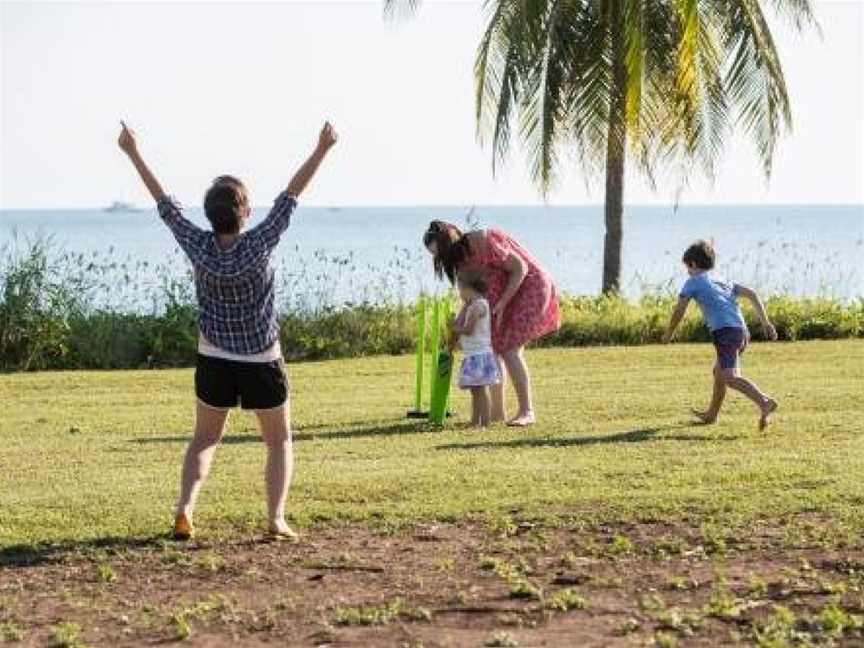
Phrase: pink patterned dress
{"type": "Point", "coordinates": [533, 312]}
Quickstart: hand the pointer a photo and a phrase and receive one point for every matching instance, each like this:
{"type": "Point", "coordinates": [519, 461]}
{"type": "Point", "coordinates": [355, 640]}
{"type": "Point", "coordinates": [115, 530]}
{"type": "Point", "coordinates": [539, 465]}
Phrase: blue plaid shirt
{"type": "Point", "coordinates": [234, 286]}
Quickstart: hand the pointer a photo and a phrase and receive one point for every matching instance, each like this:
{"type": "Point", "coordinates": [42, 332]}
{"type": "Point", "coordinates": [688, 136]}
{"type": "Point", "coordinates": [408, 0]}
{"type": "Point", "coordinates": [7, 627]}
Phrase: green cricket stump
{"type": "Point", "coordinates": [419, 368]}
{"type": "Point", "coordinates": [438, 311]}
{"type": "Point", "coordinates": [441, 388]}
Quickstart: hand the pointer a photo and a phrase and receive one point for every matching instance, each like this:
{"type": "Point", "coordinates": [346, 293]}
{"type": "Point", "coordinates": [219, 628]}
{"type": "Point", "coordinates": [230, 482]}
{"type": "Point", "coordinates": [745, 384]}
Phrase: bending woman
{"type": "Point", "coordinates": [521, 292]}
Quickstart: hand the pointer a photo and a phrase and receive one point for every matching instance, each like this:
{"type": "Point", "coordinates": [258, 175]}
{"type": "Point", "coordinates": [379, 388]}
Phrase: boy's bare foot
{"type": "Point", "coordinates": [523, 420]}
{"type": "Point", "coordinates": [705, 418]}
{"type": "Point", "coordinates": [768, 408]}
{"type": "Point", "coordinates": [183, 529]}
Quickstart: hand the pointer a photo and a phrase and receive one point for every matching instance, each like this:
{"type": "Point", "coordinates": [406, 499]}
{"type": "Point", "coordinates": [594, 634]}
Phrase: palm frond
{"type": "Point", "coordinates": [485, 87]}
{"type": "Point", "coordinates": [400, 8]}
{"type": "Point", "coordinates": [700, 118]}
{"type": "Point", "coordinates": [498, 78]}
{"type": "Point", "coordinates": [589, 87]}
{"type": "Point", "coordinates": [754, 81]}
{"type": "Point", "coordinates": [799, 13]}
{"type": "Point", "coordinates": [544, 106]}
{"type": "Point", "coordinates": [691, 69]}
{"type": "Point", "coordinates": [634, 58]}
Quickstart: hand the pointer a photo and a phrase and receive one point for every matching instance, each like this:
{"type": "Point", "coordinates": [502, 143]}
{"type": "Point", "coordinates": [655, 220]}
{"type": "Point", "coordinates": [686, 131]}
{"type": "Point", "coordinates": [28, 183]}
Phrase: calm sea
{"type": "Point", "coordinates": [361, 253]}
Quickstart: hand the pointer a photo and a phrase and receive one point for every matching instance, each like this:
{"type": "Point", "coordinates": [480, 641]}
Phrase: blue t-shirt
{"type": "Point", "coordinates": [717, 298]}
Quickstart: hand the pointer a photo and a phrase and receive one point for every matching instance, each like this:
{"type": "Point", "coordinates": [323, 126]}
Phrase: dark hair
{"type": "Point", "coordinates": [224, 204]}
{"type": "Point", "coordinates": [451, 248]}
{"type": "Point", "coordinates": [700, 254]}
{"type": "Point", "coordinates": [473, 280]}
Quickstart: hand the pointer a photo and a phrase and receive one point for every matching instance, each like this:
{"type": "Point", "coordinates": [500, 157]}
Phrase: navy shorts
{"type": "Point", "coordinates": [730, 342]}
{"type": "Point", "coordinates": [223, 384]}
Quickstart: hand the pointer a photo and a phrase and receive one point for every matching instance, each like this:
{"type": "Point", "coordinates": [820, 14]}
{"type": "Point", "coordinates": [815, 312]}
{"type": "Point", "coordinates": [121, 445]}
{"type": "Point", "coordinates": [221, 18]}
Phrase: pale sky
{"type": "Point", "coordinates": [243, 89]}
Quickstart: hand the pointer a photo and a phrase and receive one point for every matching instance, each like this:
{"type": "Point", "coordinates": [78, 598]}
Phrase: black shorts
{"type": "Point", "coordinates": [255, 385]}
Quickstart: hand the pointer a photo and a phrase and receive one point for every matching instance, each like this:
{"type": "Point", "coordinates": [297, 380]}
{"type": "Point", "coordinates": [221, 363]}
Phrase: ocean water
{"type": "Point", "coordinates": [367, 253]}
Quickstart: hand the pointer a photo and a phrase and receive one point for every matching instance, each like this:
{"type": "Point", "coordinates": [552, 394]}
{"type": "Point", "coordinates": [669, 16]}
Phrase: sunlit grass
{"type": "Point", "coordinates": [96, 454]}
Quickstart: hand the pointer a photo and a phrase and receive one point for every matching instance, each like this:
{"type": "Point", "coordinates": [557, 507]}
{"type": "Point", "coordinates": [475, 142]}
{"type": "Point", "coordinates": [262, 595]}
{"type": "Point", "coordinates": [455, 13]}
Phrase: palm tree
{"type": "Point", "coordinates": [665, 81]}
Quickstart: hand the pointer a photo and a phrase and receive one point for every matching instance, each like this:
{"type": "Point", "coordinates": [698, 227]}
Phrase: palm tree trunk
{"type": "Point", "coordinates": [615, 155]}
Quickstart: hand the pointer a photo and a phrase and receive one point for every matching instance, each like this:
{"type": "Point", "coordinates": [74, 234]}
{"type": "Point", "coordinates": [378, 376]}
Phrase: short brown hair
{"type": "Point", "coordinates": [700, 254]}
{"type": "Point", "coordinates": [224, 204]}
{"type": "Point", "coordinates": [473, 280]}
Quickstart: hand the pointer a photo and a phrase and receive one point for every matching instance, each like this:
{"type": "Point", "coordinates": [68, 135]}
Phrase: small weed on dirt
{"type": "Point", "coordinates": [182, 618]}
{"type": "Point", "coordinates": [368, 615]}
{"type": "Point", "coordinates": [66, 635]}
{"type": "Point", "coordinates": [107, 573]}
{"type": "Point", "coordinates": [565, 600]}
{"type": "Point", "coordinates": [501, 639]}
{"type": "Point", "coordinates": [11, 631]}
{"type": "Point", "coordinates": [665, 640]}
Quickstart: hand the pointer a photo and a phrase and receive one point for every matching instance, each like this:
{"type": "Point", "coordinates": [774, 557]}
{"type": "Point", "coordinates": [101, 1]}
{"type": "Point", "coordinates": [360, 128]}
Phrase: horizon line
{"type": "Point", "coordinates": [600, 205]}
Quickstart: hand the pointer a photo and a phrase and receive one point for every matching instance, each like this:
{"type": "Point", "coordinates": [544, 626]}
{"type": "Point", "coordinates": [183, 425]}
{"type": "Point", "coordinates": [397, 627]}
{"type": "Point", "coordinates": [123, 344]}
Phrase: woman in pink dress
{"type": "Point", "coordinates": [521, 292]}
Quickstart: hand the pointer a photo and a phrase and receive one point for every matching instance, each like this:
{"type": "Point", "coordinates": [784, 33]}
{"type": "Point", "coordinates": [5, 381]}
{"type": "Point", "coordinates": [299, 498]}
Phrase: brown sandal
{"type": "Point", "coordinates": [183, 529]}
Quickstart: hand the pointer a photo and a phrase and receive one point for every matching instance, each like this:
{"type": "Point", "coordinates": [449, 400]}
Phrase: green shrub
{"type": "Point", "coordinates": [350, 331]}
{"type": "Point", "coordinates": [33, 310]}
{"type": "Point", "coordinates": [71, 311]}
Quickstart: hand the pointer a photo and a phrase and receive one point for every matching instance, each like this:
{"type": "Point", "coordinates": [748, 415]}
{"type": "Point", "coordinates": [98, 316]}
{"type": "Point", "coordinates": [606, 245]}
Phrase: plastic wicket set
{"type": "Point", "coordinates": [438, 309]}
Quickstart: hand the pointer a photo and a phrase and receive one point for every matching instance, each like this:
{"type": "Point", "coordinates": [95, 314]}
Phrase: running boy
{"type": "Point", "coordinates": [239, 357]}
{"type": "Point", "coordinates": [718, 300]}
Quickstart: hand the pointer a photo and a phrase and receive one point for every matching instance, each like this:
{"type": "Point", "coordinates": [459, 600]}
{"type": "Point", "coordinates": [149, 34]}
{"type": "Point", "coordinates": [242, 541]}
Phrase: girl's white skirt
{"type": "Point", "coordinates": [479, 370]}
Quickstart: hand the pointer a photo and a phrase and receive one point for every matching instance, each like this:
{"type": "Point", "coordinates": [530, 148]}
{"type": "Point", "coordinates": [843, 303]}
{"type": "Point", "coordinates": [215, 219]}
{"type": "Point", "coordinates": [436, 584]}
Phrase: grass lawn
{"type": "Point", "coordinates": [91, 460]}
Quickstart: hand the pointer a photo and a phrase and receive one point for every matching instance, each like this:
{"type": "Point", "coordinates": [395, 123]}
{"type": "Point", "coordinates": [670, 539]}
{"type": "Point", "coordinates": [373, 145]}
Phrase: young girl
{"type": "Point", "coordinates": [473, 328]}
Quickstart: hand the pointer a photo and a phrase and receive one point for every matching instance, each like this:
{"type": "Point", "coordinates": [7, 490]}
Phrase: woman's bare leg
{"type": "Point", "coordinates": [209, 427]}
{"type": "Point", "coordinates": [518, 370]}
{"type": "Point", "coordinates": [496, 392]}
{"type": "Point", "coordinates": [276, 432]}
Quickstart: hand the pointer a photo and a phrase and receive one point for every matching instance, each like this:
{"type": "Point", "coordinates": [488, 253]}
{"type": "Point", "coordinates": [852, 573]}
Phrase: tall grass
{"type": "Point", "coordinates": [74, 311]}
{"type": "Point", "coordinates": [604, 320]}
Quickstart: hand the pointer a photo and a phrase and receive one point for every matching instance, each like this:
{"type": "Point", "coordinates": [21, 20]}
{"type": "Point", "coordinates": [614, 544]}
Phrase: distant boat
{"type": "Point", "coordinates": [120, 206]}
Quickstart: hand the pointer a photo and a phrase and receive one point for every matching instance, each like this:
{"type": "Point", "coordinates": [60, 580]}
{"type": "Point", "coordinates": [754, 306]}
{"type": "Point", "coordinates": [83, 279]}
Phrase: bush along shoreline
{"type": "Point", "coordinates": [55, 313]}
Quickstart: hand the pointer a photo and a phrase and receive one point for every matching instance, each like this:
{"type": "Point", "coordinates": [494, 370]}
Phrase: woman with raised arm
{"type": "Point", "coordinates": [521, 292]}
{"type": "Point", "coordinates": [239, 357]}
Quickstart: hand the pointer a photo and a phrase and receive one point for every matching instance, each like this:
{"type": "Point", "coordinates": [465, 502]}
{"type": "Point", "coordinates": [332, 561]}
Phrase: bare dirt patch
{"type": "Point", "coordinates": [439, 585]}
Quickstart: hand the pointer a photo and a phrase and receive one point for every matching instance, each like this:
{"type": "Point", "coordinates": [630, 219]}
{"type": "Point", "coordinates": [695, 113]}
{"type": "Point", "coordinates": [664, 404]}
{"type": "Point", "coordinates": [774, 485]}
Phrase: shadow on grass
{"type": "Point", "coordinates": [375, 429]}
{"type": "Point", "coordinates": [632, 436]}
{"type": "Point", "coordinates": [40, 554]}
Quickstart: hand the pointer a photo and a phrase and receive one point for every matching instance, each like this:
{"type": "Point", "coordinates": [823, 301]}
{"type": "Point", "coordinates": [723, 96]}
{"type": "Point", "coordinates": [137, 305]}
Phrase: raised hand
{"type": "Point", "coordinates": [129, 146]}
{"type": "Point", "coordinates": [328, 137]}
{"type": "Point", "coordinates": [126, 141]}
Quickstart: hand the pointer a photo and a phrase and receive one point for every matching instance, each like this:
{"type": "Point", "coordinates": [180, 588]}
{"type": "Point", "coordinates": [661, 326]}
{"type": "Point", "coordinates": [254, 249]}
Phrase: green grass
{"type": "Point", "coordinates": [88, 455]}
